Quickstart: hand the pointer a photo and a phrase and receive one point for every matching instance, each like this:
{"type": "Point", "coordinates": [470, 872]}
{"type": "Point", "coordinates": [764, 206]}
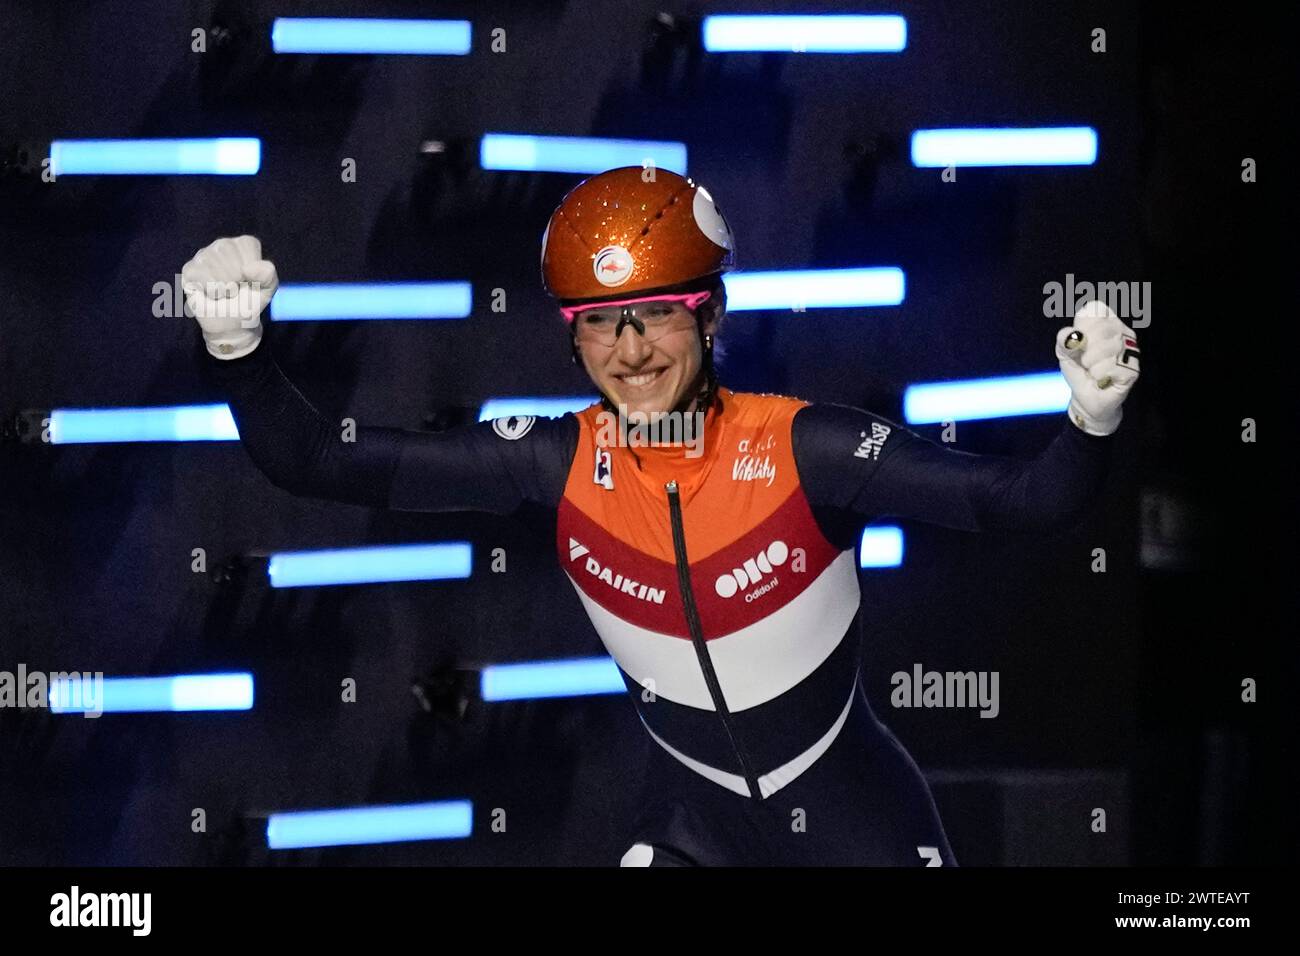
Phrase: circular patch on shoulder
{"type": "Point", "coordinates": [612, 265]}
{"type": "Point", "coordinates": [513, 427]}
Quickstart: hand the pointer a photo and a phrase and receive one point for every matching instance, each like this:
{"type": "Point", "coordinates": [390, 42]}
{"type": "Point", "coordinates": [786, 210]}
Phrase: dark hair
{"type": "Point", "coordinates": [717, 303]}
{"type": "Point", "coordinates": [715, 307]}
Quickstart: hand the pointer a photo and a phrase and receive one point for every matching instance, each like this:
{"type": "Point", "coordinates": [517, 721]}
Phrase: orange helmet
{"type": "Point", "coordinates": [616, 235]}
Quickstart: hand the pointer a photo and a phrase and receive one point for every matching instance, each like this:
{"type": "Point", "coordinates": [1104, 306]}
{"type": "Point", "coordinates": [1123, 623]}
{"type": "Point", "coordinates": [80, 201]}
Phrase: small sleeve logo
{"type": "Point", "coordinates": [870, 446]}
{"type": "Point", "coordinates": [513, 427]}
{"type": "Point", "coordinates": [603, 474]}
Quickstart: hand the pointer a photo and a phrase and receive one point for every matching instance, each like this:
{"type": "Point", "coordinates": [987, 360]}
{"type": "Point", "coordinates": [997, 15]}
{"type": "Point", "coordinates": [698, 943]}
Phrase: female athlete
{"type": "Point", "coordinates": [717, 565]}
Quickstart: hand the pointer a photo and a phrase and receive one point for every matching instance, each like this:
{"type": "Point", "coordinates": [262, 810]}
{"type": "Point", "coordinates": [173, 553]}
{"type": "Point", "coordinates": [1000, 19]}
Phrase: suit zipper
{"type": "Point", "coordinates": [697, 636]}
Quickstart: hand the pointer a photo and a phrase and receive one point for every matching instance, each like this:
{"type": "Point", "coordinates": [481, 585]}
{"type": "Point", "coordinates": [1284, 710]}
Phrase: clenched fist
{"type": "Point", "coordinates": [227, 285]}
{"type": "Point", "coordinates": [1099, 359]}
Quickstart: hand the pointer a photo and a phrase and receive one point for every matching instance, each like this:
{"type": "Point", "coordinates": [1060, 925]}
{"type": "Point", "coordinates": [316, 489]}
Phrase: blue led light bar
{"type": "Point", "coordinates": [371, 565]}
{"type": "Point", "coordinates": [1049, 146]}
{"type": "Point", "coordinates": [124, 695]}
{"type": "Point", "coordinates": [1003, 397]}
{"type": "Point", "coordinates": [815, 289]}
{"type": "Point", "coordinates": [572, 678]}
{"type": "Point", "coordinates": [224, 156]}
{"type": "Point", "coordinates": [548, 407]}
{"type": "Point", "coordinates": [321, 301]}
{"type": "Point", "coordinates": [882, 547]}
{"type": "Point", "coordinates": [80, 426]}
{"type": "Point", "coordinates": [804, 34]}
{"type": "Point", "coordinates": [361, 35]}
{"type": "Point", "coordinates": [577, 154]}
{"type": "Point", "coordinates": [441, 820]}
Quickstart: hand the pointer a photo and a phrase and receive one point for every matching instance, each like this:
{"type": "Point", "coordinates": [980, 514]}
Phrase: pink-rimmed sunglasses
{"type": "Point", "coordinates": [692, 301]}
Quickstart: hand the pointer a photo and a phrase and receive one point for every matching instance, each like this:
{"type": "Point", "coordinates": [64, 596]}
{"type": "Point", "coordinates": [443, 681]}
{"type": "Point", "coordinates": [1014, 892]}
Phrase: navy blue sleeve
{"type": "Point", "coordinates": [854, 462]}
{"type": "Point", "coordinates": [489, 466]}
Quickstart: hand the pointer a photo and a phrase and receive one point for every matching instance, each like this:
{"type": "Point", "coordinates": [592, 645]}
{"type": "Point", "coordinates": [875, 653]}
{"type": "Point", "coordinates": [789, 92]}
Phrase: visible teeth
{"type": "Point", "coordinates": [644, 379]}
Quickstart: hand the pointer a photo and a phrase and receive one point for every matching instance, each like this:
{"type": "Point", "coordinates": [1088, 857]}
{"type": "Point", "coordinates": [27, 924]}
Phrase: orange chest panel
{"type": "Point", "coordinates": [745, 521]}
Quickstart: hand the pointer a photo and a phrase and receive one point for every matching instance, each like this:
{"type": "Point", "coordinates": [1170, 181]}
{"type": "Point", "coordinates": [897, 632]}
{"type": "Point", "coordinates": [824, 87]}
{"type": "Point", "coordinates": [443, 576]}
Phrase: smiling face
{"type": "Point", "coordinates": [655, 372]}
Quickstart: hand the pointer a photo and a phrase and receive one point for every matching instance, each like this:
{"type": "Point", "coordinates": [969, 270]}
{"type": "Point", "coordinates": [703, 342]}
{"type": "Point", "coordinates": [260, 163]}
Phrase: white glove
{"type": "Point", "coordinates": [227, 285]}
{"type": "Point", "coordinates": [1099, 359]}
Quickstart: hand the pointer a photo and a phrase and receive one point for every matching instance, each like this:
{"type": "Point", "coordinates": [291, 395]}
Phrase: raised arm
{"type": "Point", "coordinates": [856, 462]}
{"type": "Point", "coordinates": [853, 462]}
{"type": "Point", "coordinates": [491, 466]}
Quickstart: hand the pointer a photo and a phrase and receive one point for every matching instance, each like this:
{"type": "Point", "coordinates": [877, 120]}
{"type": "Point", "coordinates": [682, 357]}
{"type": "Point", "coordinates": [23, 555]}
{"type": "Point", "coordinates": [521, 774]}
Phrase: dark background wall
{"type": "Point", "coordinates": [1119, 689]}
